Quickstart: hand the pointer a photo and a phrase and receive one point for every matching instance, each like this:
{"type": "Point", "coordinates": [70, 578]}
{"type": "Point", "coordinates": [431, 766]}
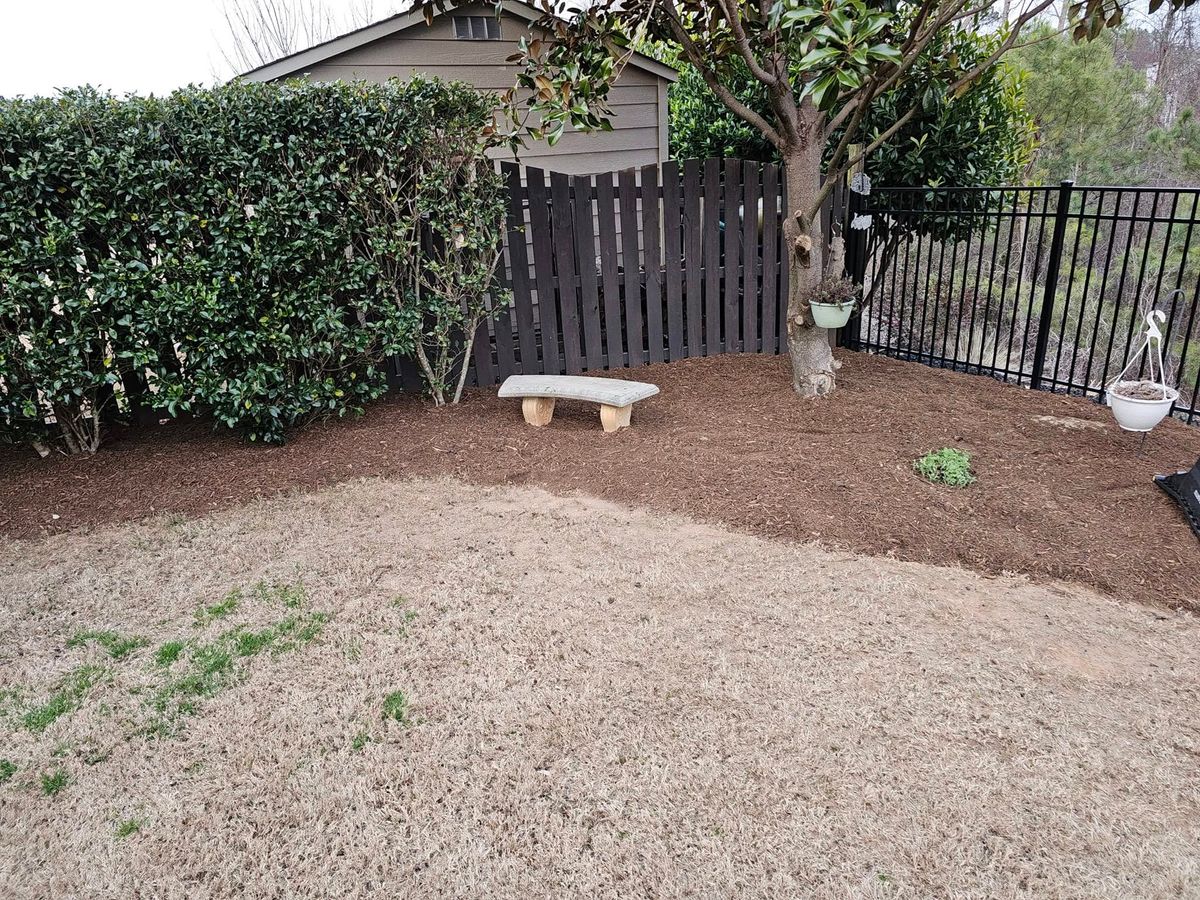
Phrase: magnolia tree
{"type": "Point", "coordinates": [821, 64]}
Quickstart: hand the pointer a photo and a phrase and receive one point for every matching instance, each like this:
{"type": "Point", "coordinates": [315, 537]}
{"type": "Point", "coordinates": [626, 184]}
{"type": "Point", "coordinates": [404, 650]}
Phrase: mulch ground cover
{"type": "Point", "coordinates": [1062, 493]}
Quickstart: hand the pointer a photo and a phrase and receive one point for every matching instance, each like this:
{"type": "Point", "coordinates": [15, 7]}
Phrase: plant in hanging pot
{"type": "Point", "coordinates": [1138, 404]}
{"type": "Point", "coordinates": [832, 301]}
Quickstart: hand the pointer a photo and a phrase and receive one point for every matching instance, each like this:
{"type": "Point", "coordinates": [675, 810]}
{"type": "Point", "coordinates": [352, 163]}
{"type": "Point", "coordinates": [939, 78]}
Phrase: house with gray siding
{"type": "Point", "coordinates": [471, 43]}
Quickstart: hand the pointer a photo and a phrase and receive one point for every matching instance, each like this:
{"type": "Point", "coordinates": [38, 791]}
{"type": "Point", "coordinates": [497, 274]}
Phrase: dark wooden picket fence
{"type": "Point", "coordinates": [627, 268]}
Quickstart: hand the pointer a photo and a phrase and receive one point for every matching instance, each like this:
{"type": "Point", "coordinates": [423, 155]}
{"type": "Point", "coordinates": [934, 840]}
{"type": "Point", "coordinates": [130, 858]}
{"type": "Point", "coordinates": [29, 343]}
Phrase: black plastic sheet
{"type": "Point", "coordinates": [1184, 489]}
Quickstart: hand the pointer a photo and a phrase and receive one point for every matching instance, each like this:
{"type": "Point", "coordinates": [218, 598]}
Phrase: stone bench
{"type": "Point", "coordinates": [538, 393]}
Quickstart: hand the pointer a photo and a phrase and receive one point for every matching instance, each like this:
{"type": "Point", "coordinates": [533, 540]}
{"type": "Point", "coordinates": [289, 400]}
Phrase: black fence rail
{"type": "Point", "coordinates": [1042, 286]}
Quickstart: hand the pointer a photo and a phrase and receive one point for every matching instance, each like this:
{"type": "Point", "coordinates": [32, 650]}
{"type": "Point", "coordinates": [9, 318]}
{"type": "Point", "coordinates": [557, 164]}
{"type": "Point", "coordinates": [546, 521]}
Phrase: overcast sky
{"type": "Point", "coordinates": [124, 45]}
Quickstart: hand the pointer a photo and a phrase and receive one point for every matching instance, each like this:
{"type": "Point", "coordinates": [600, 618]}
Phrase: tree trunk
{"type": "Point", "coordinates": [808, 346]}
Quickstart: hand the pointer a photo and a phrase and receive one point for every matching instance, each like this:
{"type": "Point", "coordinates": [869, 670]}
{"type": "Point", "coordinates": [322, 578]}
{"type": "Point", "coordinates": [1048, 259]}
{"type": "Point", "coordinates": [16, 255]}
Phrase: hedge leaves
{"type": "Point", "coordinates": [253, 252]}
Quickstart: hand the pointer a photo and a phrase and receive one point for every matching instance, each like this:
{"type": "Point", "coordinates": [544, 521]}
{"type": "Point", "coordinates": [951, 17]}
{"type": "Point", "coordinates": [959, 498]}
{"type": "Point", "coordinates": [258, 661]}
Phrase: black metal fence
{"type": "Point", "coordinates": [1042, 286]}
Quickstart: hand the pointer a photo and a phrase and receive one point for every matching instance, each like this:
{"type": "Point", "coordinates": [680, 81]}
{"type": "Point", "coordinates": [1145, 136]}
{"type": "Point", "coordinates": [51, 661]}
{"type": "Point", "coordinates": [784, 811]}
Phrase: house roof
{"type": "Point", "coordinates": [305, 59]}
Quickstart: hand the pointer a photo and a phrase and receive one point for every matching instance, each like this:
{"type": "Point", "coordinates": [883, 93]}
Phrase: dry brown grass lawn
{"type": "Point", "coordinates": [601, 703]}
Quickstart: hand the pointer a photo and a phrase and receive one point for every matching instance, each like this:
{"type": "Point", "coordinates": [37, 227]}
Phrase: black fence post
{"type": "Point", "coordinates": [1053, 264]}
{"type": "Point", "coordinates": [856, 264]}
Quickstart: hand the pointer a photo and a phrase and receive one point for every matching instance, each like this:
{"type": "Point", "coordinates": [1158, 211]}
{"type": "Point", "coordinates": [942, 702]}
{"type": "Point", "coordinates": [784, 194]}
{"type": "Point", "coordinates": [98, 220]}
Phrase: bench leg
{"type": "Point", "coordinates": [537, 410]}
{"type": "Point", "coordinates": [615, 417]}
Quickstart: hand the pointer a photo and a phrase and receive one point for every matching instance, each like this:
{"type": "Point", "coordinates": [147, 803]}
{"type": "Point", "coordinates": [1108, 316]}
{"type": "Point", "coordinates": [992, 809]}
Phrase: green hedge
{"type": "Point", "coordinates": [254, 252]}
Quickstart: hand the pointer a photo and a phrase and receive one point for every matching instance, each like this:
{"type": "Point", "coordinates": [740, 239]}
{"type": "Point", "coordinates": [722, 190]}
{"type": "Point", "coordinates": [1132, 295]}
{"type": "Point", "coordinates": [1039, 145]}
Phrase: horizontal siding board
{"type": "Point", "coordinates": [429, 53]}
{"type": "Point", "coordinates": [601, 141]}
{"type": "Point", "coordinates": [588, 163]}
{"type": "Point", "coordinates": [485, 78]}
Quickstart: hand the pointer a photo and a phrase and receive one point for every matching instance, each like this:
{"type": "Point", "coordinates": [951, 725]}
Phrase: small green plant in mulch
{"type": "Point", "coordinates": [117, 646]}
{"type": "Point", "coordinates": [67, 695]}
{"type": "Point", "coordinates": [395, 707]}
{"type": "Point", "coordinates": [948, 466]}
{"type": "Point", "coordinates": [127, 827]}
{"type": "Point", "coordinates": [360, 740]}
{"type": "Point", "coordinates": [54, 782]}
{"type": "Point", "coordinates": [8, 769]}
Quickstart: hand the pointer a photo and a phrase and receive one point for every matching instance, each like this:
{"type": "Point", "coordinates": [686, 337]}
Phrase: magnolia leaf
{"type": "Point", "coordinates": [892, 54]}
{"type": "Point", "coordinates": [816, 57]}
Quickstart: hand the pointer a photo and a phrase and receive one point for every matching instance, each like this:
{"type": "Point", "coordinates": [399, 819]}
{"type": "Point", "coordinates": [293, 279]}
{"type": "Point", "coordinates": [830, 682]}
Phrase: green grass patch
{"type": "Point", "coordinates": [128, 827]}
{"type": "Point", "coordinates": [287, 634]}
{"type": "Point", "coordinates": [226, 606]}
{"type": "Point", "coordinates": [8, 769]}
{"type": "Point", "coordinates": [54, 782]}
{"type": "Point", "coordinates": [407, 616]}
{"type": "Point", "coordinates": [360, 740]}
{"type": "Point", "coordinates": [212, 666]}
{"type": "Point", "coordinates": [67, 696]}
{"type": "Point", "coordinates": [170, 651]}
{"type": "Point", "coordinates": [117, 646]}
{"type": "Point", "coordinates": [292, 596]}
{"type": "Point", "coordinates": [946, 466]}
{"type": "Point", "coordinates": [395, 707]}
{"type": "Point", "coordinates": [185, 671]}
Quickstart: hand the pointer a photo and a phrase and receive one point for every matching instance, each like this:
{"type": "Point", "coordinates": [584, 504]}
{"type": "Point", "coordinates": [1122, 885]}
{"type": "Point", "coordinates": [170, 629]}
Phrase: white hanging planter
{"type": "Point", "coordinates": [832, 315]}
{"type": "Point", "coordinates": [1140, 404]}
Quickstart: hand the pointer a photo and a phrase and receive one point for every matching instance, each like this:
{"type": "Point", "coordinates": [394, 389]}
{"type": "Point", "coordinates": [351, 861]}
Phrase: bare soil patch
{"type": "Point", "coordinates": [596, 702]}
{"type": "Point", "coordinates": [725, 441]}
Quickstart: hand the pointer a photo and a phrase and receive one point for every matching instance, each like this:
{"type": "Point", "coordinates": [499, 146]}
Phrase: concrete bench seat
{"type": "Point", "coordinates": [538, 393]}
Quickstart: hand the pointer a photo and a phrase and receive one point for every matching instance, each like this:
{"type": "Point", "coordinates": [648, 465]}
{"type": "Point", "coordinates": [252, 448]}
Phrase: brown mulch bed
{"type": "Point", "coordinates": [1062, 492]}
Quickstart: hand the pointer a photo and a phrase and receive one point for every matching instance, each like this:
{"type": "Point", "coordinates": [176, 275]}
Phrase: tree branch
{"type": "Point", "coordinates": [862, 101]}
{"type": "Point", "coordinates": [698, 59]}
{"type": "Point", "coordinates": [743, 44]}
{"type": "Point", "coordinates": [832, 176]}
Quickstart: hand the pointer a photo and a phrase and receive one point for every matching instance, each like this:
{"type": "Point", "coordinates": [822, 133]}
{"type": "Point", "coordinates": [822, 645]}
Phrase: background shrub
{"type": "Point", "coordinates": [252, 252]}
